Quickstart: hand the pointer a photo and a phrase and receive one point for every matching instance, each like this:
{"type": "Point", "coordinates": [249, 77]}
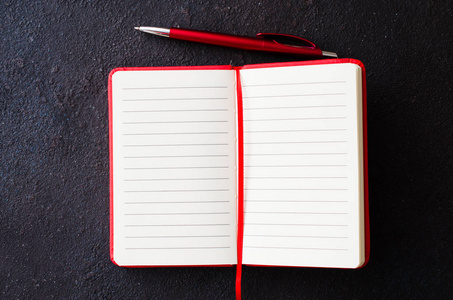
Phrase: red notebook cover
{"type": "Point", "coordinates": [240, 146]}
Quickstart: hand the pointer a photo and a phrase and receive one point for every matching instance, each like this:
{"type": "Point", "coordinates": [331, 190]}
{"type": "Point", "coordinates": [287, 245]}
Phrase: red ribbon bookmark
{"type": "Point", "coordinates": [240, 209]}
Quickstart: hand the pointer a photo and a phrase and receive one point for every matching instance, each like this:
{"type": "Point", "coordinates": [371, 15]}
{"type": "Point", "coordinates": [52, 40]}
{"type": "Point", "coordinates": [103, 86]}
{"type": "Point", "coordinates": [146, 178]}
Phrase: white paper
{"type": "Point", "coordinates": [303, 166]}
{"type": "Point", "coordinates": [174, 167]}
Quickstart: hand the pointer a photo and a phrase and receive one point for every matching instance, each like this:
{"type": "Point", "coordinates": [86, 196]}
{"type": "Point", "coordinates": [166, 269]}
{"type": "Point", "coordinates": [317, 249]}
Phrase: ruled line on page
{"type": "Point", "coordinates": [293, 166]}
{"type": "Point", "coordinates": [179, 214]}
{"type": "Point", "coordinates": [304, 142]}
{"type": "Point", "coordinates": [295, 213]}
{"type": "Point", "coordinates": [170, 168]}
{"type": "Point", "coordinates": [293, 107]}
{"type": "Point", "coordinates": [175, 145]}
{"type": "Point", "coordinates": [294, 83]}
{"type": "Point", "coordinates": [296, 95]}
{"type": "Point", "coordinates": [297, 236]}
{"type": "Point", "coordinates": [172, 225]}
{"type": "Point", "coordinates": [296, 248]}
{"type": "Point", "coordinates": [174, 179]}
{"type": "Point", "coordinates": [177, 191]}
{"type": "Point", "coordinates": [175, 133]}
{"type": "Point", "coordinates": [176, 202]}
{"type": "Point", "coordinates": [321, 201]}
{"type": "Point", "coordinates": [298, 130]}
{"type": "Point", "coordinates": [295, 177]}
{"type": "Point", "coordinates": [175, 87]}
{"type": "Point", "coordinates": [174, 99]}
{"type": "Point", "coordinates": [176, 236]}
{"type": "Point", "coordinates": [295, 119]}
{"type": "Point", "coordinates": [176, 248]}
{"type": "Point", "coordinates": [178, 156]}
{"type": "Point", "coordinates": [174, 110]}
{"type": "Point", "coordinates": [284, 154]}
{"type": "Point", "coordinates": [296, 224]}
{"type": "Point", "coordinates": [288, 189]}
{"type": "Point", "coordinates": [176, 122]}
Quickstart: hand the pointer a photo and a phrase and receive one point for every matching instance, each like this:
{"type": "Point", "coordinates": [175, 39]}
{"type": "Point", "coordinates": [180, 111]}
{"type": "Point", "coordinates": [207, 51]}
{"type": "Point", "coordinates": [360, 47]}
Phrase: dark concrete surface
{"type": "Point", "coordinates": [55, 57]}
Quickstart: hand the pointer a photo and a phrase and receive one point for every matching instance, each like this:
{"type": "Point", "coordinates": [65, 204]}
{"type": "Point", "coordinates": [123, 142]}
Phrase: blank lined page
{"type": "Point", "coordinates": [174, 167]}
{"type": "Point", "coordinates": [303, 166]}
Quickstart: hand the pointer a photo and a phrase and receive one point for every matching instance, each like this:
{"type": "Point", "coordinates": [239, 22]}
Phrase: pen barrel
{"type": "Point", "coordinates": [242, 42]}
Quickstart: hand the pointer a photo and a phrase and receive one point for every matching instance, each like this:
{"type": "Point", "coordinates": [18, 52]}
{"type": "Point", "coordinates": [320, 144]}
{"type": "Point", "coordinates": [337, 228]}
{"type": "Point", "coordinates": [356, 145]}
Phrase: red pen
{"type": "Point", "coordinates": [266, 42]}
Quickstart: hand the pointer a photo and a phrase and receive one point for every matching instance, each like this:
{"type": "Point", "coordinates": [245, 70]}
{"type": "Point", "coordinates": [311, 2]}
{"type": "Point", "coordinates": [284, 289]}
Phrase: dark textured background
{"type": "Point", "coordinates": [55, 58]}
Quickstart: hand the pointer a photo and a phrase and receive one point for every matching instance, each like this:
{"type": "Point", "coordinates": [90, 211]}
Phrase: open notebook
{"type": "Point", "coordinates": [183, 140]}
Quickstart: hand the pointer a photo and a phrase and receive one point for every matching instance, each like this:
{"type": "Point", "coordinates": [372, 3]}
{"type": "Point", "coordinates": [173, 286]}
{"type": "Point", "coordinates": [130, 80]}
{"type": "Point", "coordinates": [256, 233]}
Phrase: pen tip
{"type": "Point", "coordinates": [137, 28]}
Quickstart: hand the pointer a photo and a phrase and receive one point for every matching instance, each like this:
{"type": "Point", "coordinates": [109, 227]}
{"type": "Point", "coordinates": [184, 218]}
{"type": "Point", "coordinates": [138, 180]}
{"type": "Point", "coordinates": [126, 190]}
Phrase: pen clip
{"type": "Point", "coordinates": [301, 41]}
